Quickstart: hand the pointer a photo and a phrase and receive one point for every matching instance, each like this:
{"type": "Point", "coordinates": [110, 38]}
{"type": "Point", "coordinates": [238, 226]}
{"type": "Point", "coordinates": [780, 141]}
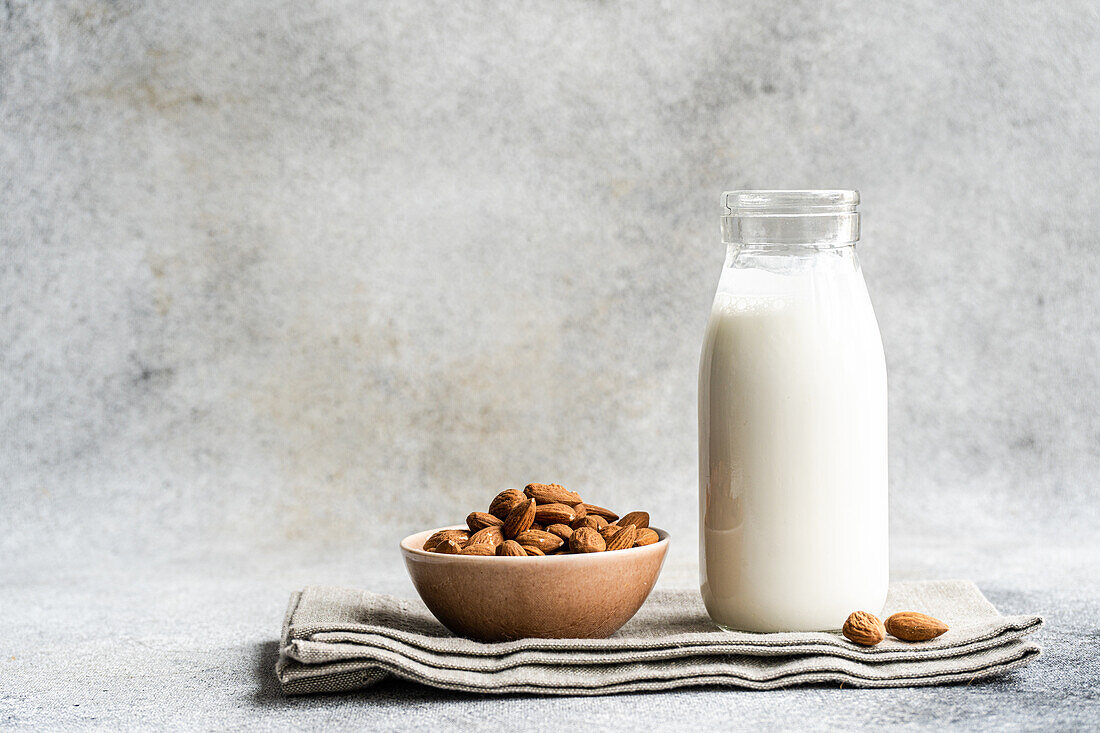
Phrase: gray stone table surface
{"type": "Point", "coordinates": [192, 644]}
{"type": "Point", "coordinates": [281, 282]}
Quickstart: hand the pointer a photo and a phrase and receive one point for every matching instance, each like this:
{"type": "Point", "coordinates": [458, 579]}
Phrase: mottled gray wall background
{"type": "Point", "coordinates": [304, 277]}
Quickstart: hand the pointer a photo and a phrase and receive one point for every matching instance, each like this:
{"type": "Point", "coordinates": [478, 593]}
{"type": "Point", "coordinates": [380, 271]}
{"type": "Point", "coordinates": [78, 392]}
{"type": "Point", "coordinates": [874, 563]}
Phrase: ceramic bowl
{"type": "Point", "coordinates": [585, 596]}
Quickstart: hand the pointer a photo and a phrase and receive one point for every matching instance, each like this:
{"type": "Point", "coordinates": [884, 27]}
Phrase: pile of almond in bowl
{"type": "Point", "coordinates": [543, 519]}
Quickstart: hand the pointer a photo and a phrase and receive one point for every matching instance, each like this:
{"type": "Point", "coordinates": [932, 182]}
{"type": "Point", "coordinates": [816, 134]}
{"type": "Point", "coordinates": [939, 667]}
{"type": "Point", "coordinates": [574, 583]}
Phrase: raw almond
{"type": "Point", "coordinates": [511, 548]}
{"type": "Point", "coordinates": [586, 539]}
{"type": "Point", "coordinates": [552, 494]}
{"type": "Point", "coordinates": [520, 519]}
{"type": "Point", "coordinates": [864, 629]}
{"type": "Point", "coordinates": [505, 502]}
{"type": "Point", "coordinates": [913, 626]}
{"type": "Point", "coordinates": [601, 512]}
{"type": "Point", "coordinates": [579, 510]}
{"type": "Point", "coordinates": [491, 536]}
{"type": "Point", "coordinates": [561, 530]}
{"type": "Point", "coordinates": [646, 537]}
{"type": "Point", "coordinates": [609, 531]}
{"type": "Point", "coordinates": [481, 520]}
{"type": "Point", "coordinates": [638, 519]}
{"type": "Point", "coordinates": [459, 535]}
{"type": "Point", "coordinates": [448, 547]}
{"type": "Point", "coordinates": [545, 541]}
{"type": "Point", "coordinates": [532, 551]}
{"type": "Point", "coordinates": [536, 525]}
{"type": "Point", "coordinates": [478, 548]}
{"type": "Point", "coordinates": [624, 538]}
{"type": "Point", "coordinates": [554, 514]}
{"type": "Point", "coordinates": [594, 521]}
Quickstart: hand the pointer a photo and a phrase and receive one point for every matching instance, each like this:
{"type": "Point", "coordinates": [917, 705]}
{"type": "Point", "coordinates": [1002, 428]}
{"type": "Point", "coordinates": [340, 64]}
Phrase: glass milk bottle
{"type": "Point", "coordinates": [792, 420]}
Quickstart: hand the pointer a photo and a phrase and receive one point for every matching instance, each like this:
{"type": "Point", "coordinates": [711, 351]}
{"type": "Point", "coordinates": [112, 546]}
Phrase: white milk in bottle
{"type": "Point", "coordinates": [792, 420]}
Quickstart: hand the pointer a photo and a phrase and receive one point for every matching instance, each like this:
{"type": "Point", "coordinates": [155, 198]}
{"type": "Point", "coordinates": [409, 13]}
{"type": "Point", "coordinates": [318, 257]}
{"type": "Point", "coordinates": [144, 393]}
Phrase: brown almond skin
{"type": "Point", "coordinates": [479, 548]}
{"type": "Point", "coordinates": [491, 536]}
{"type": "Point", "coordinates": [638, 519]}
{"type": "Point", "coordinates": [536, 525]}
{"type": "Point", "coordinates": [586, 539]}
{"type": "Point", "coordinates": [532, 551]}
{"type": "Point", "coordinates": [646, 537]}
{"type": "Point", "coordinates": [552, 494]}
{"type": "Point", "coordinates": [459, 535]}
{"type": "Point", "coordinates": [448, 547]}
{"type": "Point", "coordinates": [481, 520]}
{"type": "Point", "coordinates": [623, 539]}
{"type": "Point", "coordinates": [511, 548]}
{"type": "Point", "coordinates": [864, 629]}
{"type": "Point", "coordinates": [601, 512]}
{"type": "Point", "coordinates": [913, 626]}
{"type": "Point", "coordinates": [609, 531]}
{"type": "Point", "coordinates": [545, 541]}
{"type": "Point", "coordinates": [561, 530]}
{"type": "Point", "coordinates": [594, 521]}
{"type": "Point", "coordinates": [520, 519]}
{"type": "Point", "coordinates": [554, 514]}
{"type": "Point", "coordinates": [505, 502]}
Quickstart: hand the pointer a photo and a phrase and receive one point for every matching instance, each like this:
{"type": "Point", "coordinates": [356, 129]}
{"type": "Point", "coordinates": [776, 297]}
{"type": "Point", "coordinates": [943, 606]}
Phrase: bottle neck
{"type": "Point", "coordinates": [820, 231]}
{"type": "Point", "coordinates": [792, 258]}
{"type": "Point", "coordinates": [818, 218]}
{"type": "Point", "coordinates": [801, 249]}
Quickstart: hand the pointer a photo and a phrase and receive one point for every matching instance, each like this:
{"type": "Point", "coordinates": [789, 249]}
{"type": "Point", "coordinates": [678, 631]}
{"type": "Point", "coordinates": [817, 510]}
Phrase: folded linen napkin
{"type": "Point", "coordinates": [343, 639]}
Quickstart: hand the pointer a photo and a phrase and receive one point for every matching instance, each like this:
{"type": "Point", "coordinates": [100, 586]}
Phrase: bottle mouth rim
{"type": "Point", "coordinates": [805, 202]}
{"type": "Point", "coordinates": [826, 218]}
